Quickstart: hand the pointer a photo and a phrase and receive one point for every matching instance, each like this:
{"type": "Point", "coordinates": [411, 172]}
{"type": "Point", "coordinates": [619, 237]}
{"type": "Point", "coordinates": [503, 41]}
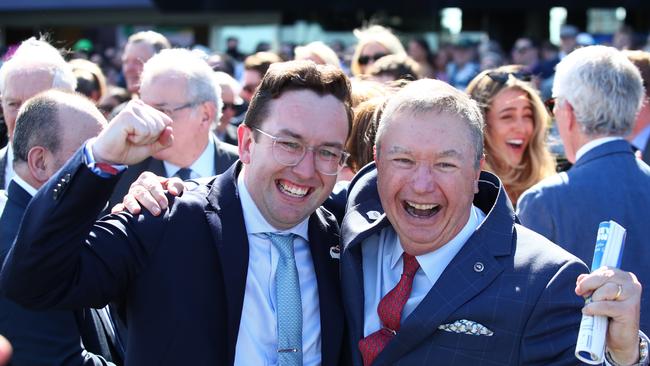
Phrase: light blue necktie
{"type": "Point", "coordinates": [289, 305]}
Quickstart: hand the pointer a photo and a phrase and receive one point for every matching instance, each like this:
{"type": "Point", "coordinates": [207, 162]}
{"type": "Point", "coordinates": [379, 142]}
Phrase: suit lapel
{"type": "Point", "coordinates": [322, 237]}
{"type": "Point", "coordinates": [224, 211]}
{"type": "Point", "coordinates": [357, 227]}
{"type": "Point", "coordinates": [646, 151]}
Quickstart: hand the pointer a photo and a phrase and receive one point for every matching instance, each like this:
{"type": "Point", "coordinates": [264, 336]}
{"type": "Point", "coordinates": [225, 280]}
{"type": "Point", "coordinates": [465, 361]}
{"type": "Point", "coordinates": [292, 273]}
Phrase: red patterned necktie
{"type": "Point", "coordinates": [390, 312]}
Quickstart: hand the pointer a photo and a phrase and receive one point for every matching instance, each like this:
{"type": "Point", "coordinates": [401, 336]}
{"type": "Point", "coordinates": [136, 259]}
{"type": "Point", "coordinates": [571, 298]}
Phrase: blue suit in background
{"type": "Point", "coordinates": [507, 278]}
{"type": "Point", "coordinates": [53, 337]}
{"type": "Point", "coordinates": [181, 276]}
{"type": "Point", "coordinates": [607, 183]}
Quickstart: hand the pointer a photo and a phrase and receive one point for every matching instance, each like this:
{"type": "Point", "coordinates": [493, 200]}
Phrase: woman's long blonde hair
{"type": "Point", "coordinates": [537, 162]}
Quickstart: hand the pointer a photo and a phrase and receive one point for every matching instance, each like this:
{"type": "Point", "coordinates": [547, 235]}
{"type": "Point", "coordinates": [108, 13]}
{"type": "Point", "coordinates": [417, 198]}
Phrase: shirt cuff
{"type": "Point", "coordinates": [103, 170]}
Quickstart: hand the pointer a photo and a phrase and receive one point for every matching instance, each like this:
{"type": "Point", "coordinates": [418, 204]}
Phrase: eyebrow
{"type": "Point", "coordinates": [452, 153]}
{"type": "Point", "coordinates": [298, 136]}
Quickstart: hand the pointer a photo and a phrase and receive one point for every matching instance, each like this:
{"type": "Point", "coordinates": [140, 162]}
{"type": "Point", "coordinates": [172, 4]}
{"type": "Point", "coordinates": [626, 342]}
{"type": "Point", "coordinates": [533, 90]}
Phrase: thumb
{"type": "Point", "coordinates": [165, 140]}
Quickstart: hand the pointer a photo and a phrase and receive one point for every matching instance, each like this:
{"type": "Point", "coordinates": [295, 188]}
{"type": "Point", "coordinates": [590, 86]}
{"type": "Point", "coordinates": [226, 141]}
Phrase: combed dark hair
{"type": "Point", "coordinates": [36, 127]}
{"type": "Point", "coordinates": [298, 75]}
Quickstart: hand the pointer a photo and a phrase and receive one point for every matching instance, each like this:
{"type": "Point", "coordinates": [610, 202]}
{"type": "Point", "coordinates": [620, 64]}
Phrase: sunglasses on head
{"type": "Point", "coordinates": [502, 77]}
{"type": "Point", "coordinates": [365, 59]}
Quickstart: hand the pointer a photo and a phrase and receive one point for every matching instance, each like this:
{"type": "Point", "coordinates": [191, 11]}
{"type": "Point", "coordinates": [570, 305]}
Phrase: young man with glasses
{"type": "Point", "coordinates": [180, 84]}
{"type": "Point", "coordinates": [239, 271]}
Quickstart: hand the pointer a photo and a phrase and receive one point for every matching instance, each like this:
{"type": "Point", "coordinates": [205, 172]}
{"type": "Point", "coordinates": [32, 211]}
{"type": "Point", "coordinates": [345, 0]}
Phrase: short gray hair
{"type": "Point", "coordinates": [157, 41]}
{"type": "Point", "coordinates": [201, 83]}
{"type": "Point", "coordinates": [36, 54]}
{"type": "Point", "coordinates": [427, 95]}
{"type": "Point", "coordinates": [604, 88]}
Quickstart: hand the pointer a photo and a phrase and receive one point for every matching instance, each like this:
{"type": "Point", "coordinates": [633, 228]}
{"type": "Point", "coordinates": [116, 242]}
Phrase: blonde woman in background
{"type": "Point", "coordinates": [516, 123]}
{"type": "Point", "coordinates": [374, 43]}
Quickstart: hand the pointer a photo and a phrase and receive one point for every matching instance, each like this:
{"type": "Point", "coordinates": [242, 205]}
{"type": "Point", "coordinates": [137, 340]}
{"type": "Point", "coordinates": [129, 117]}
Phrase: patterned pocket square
{"type": "Point", "coordinates": [464, 326]}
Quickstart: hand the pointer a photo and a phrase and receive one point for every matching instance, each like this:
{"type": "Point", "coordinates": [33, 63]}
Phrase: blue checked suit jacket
{"type": "Point", "coordinates": [524, 293]}
{"type": "Point", "coordinates": [181, 276]}
{"type": "Point", "coordinates": [607, 183]}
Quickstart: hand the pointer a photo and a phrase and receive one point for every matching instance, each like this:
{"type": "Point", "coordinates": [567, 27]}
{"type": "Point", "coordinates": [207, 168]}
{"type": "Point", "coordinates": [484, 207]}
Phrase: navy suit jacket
{"type": "Point", "coordinates": [181, 275]}
{"type": "Point", "coordinates": [224, 156]}
{"type": "Point", "coordinates": [607, 183]}
{"type": "Point", "coordinates": [51, 337]}
{"type": "Point", "coordinates": [523, 292]}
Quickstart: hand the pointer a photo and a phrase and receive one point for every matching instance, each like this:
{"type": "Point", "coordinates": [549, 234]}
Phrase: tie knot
{"type": "Point", "coordinates": [184, 173]}
{"type": "Point", "coordinates": [411, 265]}
{"type": "Point", "coordinates": [283, 243]}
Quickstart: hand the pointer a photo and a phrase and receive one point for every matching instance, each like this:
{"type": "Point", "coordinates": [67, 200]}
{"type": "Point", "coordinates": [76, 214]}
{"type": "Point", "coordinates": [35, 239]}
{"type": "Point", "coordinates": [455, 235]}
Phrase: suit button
{"type": "Point", "coordinates": [478, 267]}
{"type": "Point", "coordinates": [55, 193]}
{"type": "Point", "coordinates": [66, 178]}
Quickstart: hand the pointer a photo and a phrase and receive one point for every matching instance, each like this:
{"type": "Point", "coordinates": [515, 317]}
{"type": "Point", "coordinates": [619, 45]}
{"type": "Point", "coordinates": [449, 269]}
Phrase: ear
{"type": "Point", "coordinates": [38, 159]}
{"type": "Point", "coordinates": [572, 123]}
{"type": "Point", "coordinates": [374, 153]}
{"type": "Point", "coordinates": [208, 112]}
{"type": "Point", "coordinates": [481, 164]}
{"type": "Point", "coordinates": [244, 143]}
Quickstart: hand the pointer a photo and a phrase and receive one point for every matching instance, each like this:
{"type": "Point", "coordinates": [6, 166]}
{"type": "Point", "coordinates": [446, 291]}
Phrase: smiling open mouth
{"type": "Point", "coordinates": [292, 190]}
{"type": "Point", "coordinates": [421, 209]}
{"type": "Point", "coordinates": [515, 143]}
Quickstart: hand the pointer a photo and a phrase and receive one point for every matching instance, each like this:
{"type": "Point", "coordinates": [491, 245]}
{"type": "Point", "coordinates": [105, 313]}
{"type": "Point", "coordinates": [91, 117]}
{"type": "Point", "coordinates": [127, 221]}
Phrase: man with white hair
{"type": "Point", "coordinates": [35, 66]}
{"type": "Point", "coordinates": [598, 92]}
{"type": "Point", "coordinates": [180, 84]}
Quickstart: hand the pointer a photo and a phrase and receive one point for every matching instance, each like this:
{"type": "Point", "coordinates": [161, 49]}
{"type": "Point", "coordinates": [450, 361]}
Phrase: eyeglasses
{"type": "Point", "coordinates": [169, 111]}
{"type": "Point", "coordinates": [502, 77]}
{"type": "Point", "coordinates": [328, 160]}
{"type": "Point", "coordinates": [365, 59]}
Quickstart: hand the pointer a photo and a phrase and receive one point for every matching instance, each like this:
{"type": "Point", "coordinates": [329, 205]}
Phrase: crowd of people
{"type": "Point", "coordinates": [288, 209]}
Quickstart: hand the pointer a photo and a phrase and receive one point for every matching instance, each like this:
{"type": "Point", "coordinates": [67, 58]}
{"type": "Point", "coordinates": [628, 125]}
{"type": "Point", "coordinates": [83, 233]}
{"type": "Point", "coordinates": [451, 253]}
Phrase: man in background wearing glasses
{"type": "Point", "coordinates": [242, 270]}
{"type": "Point", "coordinates": [181, 85]}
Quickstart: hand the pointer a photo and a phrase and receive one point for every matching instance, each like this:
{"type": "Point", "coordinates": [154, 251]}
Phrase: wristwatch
{"type": "Point", "coordinates": [644, 359]}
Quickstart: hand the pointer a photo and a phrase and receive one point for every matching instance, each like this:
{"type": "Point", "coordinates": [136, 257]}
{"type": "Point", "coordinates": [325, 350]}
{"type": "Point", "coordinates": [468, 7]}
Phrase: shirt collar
{"type": "Point", "coordinates": [255, 221]}
{"type": "Point", "coordinates": [202, 167]}
{"type": "Point", "coordinates": [593, 144]}
{"type": "Point", "coordinates": [24, 185]}
{"type": "Point", "coordinates": [431, 262]}
{"type": "Point", "coordinates": [640, 140]}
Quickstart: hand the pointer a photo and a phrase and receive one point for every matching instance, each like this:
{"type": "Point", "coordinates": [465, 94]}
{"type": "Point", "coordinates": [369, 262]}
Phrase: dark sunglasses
{"type": "Point", "coordinates": [365, 59]}
{"type": "Point", "coordinates": [232, 106]}
{"type": "Point", "coordinates": [502, 77]}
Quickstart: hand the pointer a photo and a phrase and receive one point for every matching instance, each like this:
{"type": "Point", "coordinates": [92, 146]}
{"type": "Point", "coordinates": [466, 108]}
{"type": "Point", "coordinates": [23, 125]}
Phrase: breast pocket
{"type": "Point", "coordinates": [458, 341]}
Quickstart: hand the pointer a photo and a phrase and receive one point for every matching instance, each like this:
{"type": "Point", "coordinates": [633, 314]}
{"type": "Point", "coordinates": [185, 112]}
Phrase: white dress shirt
{"type": "Point", "coordinates": [382, 269]}
{"type": "Point", "coordinates": [257, 341]}
{"type": "Point", "coordinates": [593, 144]}
{"type": "Point", "coordinates": [201, 167]}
